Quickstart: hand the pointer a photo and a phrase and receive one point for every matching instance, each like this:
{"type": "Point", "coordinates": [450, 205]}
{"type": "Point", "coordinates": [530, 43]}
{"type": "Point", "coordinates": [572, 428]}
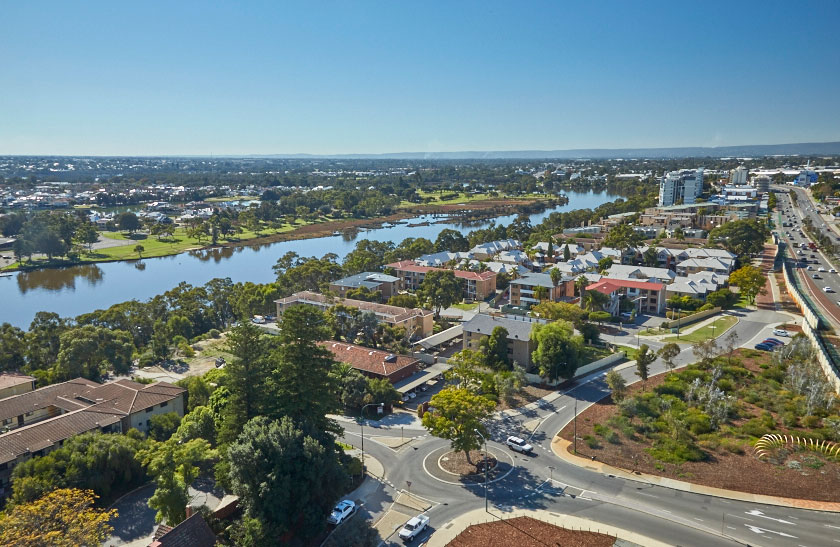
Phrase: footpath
{"type": "Point", "coordinates": [560, 448]}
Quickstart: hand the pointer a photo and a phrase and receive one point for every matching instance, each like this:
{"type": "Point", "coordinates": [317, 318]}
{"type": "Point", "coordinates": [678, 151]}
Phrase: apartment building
{"type": "Point", "coordinates": [477, 285]}
{"type": "Point", "coordinates": [519, 335]}
{"type": "Point", "coordinates": [683, 186]}
{"type": "Point", "coordinates": [388, 285]}
{"type": "Point", "coordinates": [649, 298]}
{"type": "Point", "coordinates": [373, 363]}
{"type": "Point", "coordinates": [523, 289]}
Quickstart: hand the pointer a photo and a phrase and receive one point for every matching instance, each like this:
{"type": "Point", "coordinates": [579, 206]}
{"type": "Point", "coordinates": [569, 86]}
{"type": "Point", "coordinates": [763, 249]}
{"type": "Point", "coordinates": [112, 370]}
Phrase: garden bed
{"type": "Point", "coordinates": [652, 445]}
{"type": "Point", "coordinates": [456, 463]}
{"type": "Point", "coordinates": [527, 532]}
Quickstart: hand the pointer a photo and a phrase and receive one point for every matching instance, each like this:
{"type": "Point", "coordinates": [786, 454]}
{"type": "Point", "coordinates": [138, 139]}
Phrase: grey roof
{"type": "Point", "coordinates": [484, 324]}
{"type": "Point", "coordinates": [370, 280]}
{"type": "Point", "coordinates": [534, 280]}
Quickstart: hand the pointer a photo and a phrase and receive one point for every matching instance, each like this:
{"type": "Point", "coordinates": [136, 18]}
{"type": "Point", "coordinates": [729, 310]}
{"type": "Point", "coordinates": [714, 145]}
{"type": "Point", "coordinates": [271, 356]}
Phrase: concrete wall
{"type": "Point", "coordinates": [607, 361]}
{"type": "Point", "coordinates": [139, 420]}
{"type": "Point", "coordinates": [693, 318]}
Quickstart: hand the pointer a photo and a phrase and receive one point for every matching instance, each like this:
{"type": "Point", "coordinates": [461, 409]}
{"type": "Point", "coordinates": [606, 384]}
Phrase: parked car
{"type": "Point", "coordinates": [413, 527]}
{"type": "Point", "coordinates": [519, 445]}
{"type": "Point", "coordinates": [781, 332]}
{"type": "Point", "coordinates": [258, 319]}
{"type": "Point", "coordinates": [770, 342]}
{"type": "Point", "coordinates": [775, 340]}
{"type": "Point", "coordinates": [342, 511]}
{"type": "Point", "coordinates": [764, 347]}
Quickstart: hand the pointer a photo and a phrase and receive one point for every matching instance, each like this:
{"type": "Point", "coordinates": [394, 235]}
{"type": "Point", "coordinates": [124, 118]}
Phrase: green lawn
{"type": "Point", "coordinates": [716, 328]}
{"type": "Point", "coordinates": [464, 306]}
{"type": "Point", "coordinates": [593, 353]}
{"type": "Point", "coordinates": [629, 352]}
{"type": "Point", "coordinates": [230, 198]}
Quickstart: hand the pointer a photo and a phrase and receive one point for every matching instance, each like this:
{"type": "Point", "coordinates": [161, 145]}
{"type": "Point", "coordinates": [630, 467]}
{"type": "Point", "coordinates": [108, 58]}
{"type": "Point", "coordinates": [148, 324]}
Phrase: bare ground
{"type": "Point", "coordinates": [527, 532]}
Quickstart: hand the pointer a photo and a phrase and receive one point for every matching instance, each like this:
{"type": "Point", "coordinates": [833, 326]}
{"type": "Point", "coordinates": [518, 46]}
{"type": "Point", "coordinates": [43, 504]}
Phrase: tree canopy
{"type": "Point", "coordinates": [457, 413]}
{"type": "Point", "coordinates": [558, 350]}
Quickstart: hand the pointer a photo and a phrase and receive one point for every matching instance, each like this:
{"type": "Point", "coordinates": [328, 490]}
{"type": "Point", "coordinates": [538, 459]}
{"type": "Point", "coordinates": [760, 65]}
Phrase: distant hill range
{"type": "Point", "coordinates": [748, 150]}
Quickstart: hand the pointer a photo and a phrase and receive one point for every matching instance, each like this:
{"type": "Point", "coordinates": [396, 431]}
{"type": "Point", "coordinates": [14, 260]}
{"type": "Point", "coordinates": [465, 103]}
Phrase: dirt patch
{"type": "Point", "coordinates": [527, 532]}
{"type": "Point", "coordinates": [529, 394]}
{"type": "Point", "coordinates": [796, 474]}
{"type": "Point", "coordinates": [456, 462]}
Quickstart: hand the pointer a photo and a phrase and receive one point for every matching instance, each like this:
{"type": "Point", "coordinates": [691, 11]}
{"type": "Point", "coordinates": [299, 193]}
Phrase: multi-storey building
{"type": "Point", "coordinates": [685, 185]}
{"type": "Point", "coordinates": [477, 285]}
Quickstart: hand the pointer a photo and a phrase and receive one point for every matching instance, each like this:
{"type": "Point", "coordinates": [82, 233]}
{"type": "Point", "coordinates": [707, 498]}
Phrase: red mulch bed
{"type": "Point", "coordinates": [527, 532]}
{"type": "Point", "coordinates": [723, 469]}
{"type": "Point", "coordinates": [456, 462]}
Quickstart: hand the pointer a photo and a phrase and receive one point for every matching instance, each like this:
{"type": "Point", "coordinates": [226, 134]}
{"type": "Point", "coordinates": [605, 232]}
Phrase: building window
{"type": "Point", "coordinates": [163, 404]}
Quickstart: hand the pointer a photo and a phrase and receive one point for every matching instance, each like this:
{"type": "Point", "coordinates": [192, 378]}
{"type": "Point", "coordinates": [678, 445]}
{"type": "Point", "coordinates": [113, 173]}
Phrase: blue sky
{"type": "Point", "coordinates": [144, 78]}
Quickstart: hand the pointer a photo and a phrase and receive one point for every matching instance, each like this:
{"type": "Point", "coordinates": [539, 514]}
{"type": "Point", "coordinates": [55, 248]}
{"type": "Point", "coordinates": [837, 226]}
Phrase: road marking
{"type": "Point", "coordinates": [830, 526]}
{"type": "Point", "coordinates": [695, 518]}
{"type": "Point", "coordinates": [758, 530]}
{"type": "Point", "coordinates": [757, 513]}
{"type": "Point", "coordinates": [739, 517]}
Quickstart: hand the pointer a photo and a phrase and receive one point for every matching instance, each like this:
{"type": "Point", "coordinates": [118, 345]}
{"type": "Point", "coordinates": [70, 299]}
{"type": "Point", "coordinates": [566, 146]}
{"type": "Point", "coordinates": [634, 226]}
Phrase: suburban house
{"type": "Point", "coordinates": [490, 249]}
{"type": "Point", "coordinates": [192, 532]}
{"type": "Point", "coordinates": [522, 289]}
{"type": "Point", "coordinates": [645, 273]}
{"type": "Point", "coordinates": [12, 383]}
{"type": "Point", "coordinates": [519, 335]}
{"type": "Point", "coordinates": [373, 363]}
{"type": "Point", "coordinates": [36, 422]}
{"type": "Point", "coordinates": [417, 322]}
{"type": "Point", "coordinates": [696, 285]}
{"type": "Point", "coordinates": [477, 285]}
{"type": "Point", "coordinates": [442, 258]}
{"type": "Point", "coordinates": [373, 281]}
{"type": "Point", "coordinates": [714, 265]}
{"type": "Point", "coordinates": [649, 297]}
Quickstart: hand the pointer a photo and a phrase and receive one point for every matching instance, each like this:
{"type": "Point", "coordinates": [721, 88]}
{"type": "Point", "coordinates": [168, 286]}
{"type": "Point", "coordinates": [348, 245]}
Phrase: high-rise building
{"type": "Point", "coordinates": [738, 176]}
{"type": "Point", "coordinates": [762, 184]}
{"type": "Point", "coordinates": [685, 185]}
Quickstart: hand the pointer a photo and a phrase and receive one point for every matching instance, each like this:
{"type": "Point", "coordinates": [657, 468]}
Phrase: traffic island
{"type": "Point", "coordinates": [449, 466]}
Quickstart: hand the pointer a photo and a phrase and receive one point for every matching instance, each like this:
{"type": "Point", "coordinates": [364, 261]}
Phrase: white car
{"type": "Point", "coordinates": [781, 332]}
{"type": "Point", "coordinates": [828, 289]}
{"type": "Point", "coordinates": [342, 512]}
{"type": "Point", "coordinates": [413, 527]}
{"type": "Point", "coordinates": [821, 269]}
{"type": "Point", "coordinates": [519, 445]}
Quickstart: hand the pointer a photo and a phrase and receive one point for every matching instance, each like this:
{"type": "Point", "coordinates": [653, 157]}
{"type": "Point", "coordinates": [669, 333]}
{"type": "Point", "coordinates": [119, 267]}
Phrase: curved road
{"type": "Point", "coordinates": [671, 516]}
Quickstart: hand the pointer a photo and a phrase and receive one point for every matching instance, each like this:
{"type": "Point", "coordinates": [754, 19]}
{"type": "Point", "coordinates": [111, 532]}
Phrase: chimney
{"type": "Point", "coordinates": [189, 511]}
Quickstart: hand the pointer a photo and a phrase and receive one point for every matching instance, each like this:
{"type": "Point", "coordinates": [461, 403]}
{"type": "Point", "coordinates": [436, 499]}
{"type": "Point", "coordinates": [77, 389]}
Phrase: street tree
{"type": "Point", "coordinates": [139, 250]}
{"type": "Point", "coordinates": [742, 237]}
{"type": "Point", "coordinates": [643, 360]}
{"type": "Point", "coordinates": [668, 353]}
{"type": "Point", "coordinates": [452, 241]}
{"type": "Point", "coordinates": [495, 349]}
{"type": "Point", "coordinates": [457, 414]}
{"type": "Point", "coordinates": [246, 377]}
{"type": "Point", "coordinates": [750, 280]}
{"type": "Point", "coordinates": [617, 384]}
{"type": "Point", "coordinates": [62, 518]}
{"type": "Point", "coordinates": [558, 350]}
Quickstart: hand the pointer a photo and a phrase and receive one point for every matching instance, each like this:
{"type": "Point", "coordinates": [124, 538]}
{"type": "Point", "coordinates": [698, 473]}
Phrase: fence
{"type": "Point", "coordinates": [811, 329]}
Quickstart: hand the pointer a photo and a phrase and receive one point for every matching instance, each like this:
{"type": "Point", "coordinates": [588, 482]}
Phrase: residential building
{"type": "Point", "coordinates": [519, 335]}
{"type": "Point", "coordinates": [522, 289]}
{"type": "Point", "coordinates": [649, 298]}
{"type": "Point", "coordinates": [683, 186]}
{"type": "Point", "coordinates": [739, 175]}
{"type": "Point", "coordinates": [643, 273]}
{"type": "Point", "coordinates": [12, 383]}
{"type": "Point", "coordinates": [39, 421]}
{"type": "Point", "coordinates": [418, 323]}
{"type": "Point", "coordinates": [711, 264]}
{"type": "Point", "coordinates": [485, 251]}
{"type": "Point", "coordinates": [192, 532]}
{"type": "Point", "coordinates": [373, 281]}
{"type": "Point", "coordinates": [697, 285]}
{"type": "Point", "coordinates": [373, 363]}
{"type": "Point", "coordinates": [442, 258]}
{"type": "Point", "coordinates": [762, 184]}
{"type": "Point", "coordinates": [477, 285]}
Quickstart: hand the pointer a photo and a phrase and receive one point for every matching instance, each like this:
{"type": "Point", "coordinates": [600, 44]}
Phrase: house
{"type": "Point", "coordinates": [39, 421]}
{"type": "Point", "coordinates": [12, 383]}
{"type": "Point", "coordinates": [485, 251]}
{"type": "Point", "coordinates": [442, 258]}
{"type": "Point", "coordinates": [519, 335]}
{"type": "Point", "coordinates": [522, 289]}
{"type": "Point", "coordinates": [417, 322]}
{"type": "Point", "coordinates": [373, 281]}
{"type": "Point", "coordinates": [477, 285]}
{"type": "Point", "coordinates": [192, 532]}
{"type": "Point", "coordinates": [714, 265]}
{"type": "Point", "coordinates": [696, 285]}
{"type": "Point", "coordinates": [648, 297]}
{"type": "Point", "coordinates": [373, 363]}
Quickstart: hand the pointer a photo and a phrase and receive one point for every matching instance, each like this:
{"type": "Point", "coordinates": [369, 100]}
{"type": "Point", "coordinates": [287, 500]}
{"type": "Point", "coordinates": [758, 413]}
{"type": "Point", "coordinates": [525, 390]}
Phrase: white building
{"type": "Point", "coordinates": [685, 185]}
{"type": "Point", "coordinates": [739, 175]}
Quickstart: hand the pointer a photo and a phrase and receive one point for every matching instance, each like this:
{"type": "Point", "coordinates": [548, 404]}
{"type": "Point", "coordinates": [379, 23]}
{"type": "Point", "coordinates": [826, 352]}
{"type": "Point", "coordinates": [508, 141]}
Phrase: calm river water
{"type": "Point", "coordinates": [81, 289]}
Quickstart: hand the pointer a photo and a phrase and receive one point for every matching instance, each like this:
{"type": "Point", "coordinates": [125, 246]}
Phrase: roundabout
{"type": "Point", "coordinates": [444, 464]}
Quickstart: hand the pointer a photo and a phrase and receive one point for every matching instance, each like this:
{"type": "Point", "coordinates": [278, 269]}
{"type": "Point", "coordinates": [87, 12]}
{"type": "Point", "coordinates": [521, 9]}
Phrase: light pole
{"type": "Point", "coordinates": [362, 423]}
{"type": "Point", "coordinates": [574, 433]}
{"type": "Point", "coordinates": [483, 438]}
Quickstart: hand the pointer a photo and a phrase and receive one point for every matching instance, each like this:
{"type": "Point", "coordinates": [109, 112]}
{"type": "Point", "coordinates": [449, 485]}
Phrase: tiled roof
{"type": "Point", "coordinates": [11, 379]}
{"type": "Point", "coordinates": [367, 359]}
{"type": "Point", "coordinates": [608, 285]}
{"type": "Point", "coordinates": [411, 266]}
{"type": "Point", "coordinates": [397, 313]}
{"type": "Point", "coordinates": [193, 532]}
{"type": "Point", "coordinates": [61, 395]}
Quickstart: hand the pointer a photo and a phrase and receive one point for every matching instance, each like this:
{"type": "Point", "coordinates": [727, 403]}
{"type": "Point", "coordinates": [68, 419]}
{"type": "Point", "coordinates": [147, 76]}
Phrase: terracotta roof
{"type": "Point", "coordinates": [193, 532]}
{"type": "Point", "coordinates": [608, 285]}
{"type": "Point", "coordinates": [11, 379]}
{"type": "Point", "coordinates": [366, 359]}
{"type": "Point", "coordinates": [61, 395]}
{"type": "Point", "coordinates": [411, 266]}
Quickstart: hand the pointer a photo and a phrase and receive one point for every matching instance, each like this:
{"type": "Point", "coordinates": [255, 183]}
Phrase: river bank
{"type": "Point", "coordinates": [180, 243]}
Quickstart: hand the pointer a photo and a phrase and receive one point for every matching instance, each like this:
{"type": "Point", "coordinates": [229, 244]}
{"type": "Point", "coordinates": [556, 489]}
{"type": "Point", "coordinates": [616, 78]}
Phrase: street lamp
{"type": "Point", "coordinates": [483, 438]}
{"type": "Point", "coordinates": [362, 423]}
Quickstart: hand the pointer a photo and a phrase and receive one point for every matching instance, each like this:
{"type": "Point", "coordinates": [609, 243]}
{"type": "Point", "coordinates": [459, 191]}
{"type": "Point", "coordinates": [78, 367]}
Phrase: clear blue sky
{"type": "Point", "coordinates": [177, 77]}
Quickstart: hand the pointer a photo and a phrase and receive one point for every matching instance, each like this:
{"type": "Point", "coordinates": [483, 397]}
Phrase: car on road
{"type": "Point", "coordinates": [781, 332]}
{"type": "Point", "coordinates": [519, 445]}
{"type": "Point", "coordinates": [809, 268]}
{"type": "Point", "coordinates": [832, 270]}
{"type": "Point", "coordinates": [820, 269]}
{"type": "Point", "coordinates": [828, 289]}
{"type": "Point", "coordinates": [816, 276]}
{"type": "Point", "coordinates": [342, 511]}
{"type": "Point", "coordinates": [413, 527]}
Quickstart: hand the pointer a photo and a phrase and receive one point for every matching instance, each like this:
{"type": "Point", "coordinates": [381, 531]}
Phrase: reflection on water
{"type": "Point", "coordinates": [216, 254]}
{"type": "Point", "coordinates": [140, 265]}
{"type": "Point", "coordinates": [56, 279]}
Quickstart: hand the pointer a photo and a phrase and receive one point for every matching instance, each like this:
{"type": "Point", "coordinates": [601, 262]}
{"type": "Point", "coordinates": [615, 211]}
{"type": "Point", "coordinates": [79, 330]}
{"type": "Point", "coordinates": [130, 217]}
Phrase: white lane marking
{"type": "Point", "coordinates": [739, 517]}
{"type": "Point", "coordinates": [695, 518]}
{"type": "Point", "coordinates": [830, 526]}
{"type": "Point", "coordinates": [758, 530]}
{"type": "Point", "coordinates": [757, 513]}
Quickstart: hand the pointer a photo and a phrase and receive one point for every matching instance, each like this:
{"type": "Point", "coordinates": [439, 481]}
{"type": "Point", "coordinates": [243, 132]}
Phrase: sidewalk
{"type": "Point", "coordinates": [560, 448]}
{"type": "Point", "coordinates": [446, 532]}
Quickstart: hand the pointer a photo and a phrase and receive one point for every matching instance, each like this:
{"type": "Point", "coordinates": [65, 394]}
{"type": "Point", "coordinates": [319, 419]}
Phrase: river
{"type": "Point", "coordinates": [80, 289]}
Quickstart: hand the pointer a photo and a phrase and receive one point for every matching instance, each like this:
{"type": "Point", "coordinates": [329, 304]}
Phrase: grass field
{"type": "Point", "coordinates": [464, 306]}
{"type": "Point", "coordinates": [716, 329]}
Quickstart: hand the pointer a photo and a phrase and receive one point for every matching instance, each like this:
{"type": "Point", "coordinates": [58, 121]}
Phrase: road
{"type": "Point", "coordinates": [674, 517]}
{"type": "Point", "coordinates": [823, 285]}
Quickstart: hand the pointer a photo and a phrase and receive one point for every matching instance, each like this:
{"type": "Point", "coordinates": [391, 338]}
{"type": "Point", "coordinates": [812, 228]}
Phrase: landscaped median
{"type": "Point", "coordinates": [694, 430]}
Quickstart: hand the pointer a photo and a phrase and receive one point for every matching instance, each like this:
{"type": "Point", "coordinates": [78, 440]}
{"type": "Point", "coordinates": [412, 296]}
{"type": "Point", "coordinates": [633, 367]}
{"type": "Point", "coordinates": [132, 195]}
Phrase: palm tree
{"type": "Point", "coordinates": [580, 284]}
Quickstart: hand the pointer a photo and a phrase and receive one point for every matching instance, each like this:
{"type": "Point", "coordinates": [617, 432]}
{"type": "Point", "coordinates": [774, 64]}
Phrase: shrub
{"type": "Point", "coordinates": [591, 442]}
{"type": "Point", "coordinates": [789, 419]}
{"type": "Point", "coordinates": [146, 360]}
{"type": "Point", "coordinates": [214, 333]}
{"type": "Point", "coordinates": [612, 437]}
{"type": "Point", "coordinates": [601, 429]}
{"type": "Point", "coordinates": [811, 422]}
{"type": "Point", "coordinates": [671, 451]}
{"type": "Point", "coordinates": [754, 428]}
{"type": "Point", "coordinates": [698, 422]}
{"type": "Point", "coordinates": [677, 388]}
{"type": "Point", "coordinates": [731, 445]}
